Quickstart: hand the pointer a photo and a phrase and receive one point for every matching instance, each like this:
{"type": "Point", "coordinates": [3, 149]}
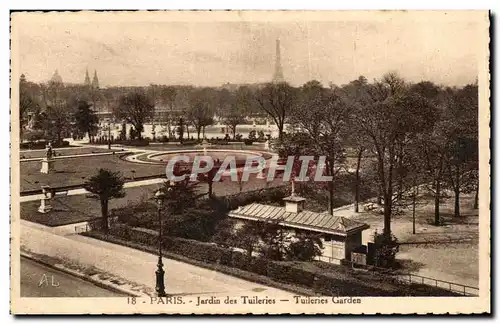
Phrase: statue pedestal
{"type": "Point", "coordinates": [47, 165]}
{"type": "Point", "coordinates": [266, 145]}
{"type": "Point", "coordinates": [45, 207]}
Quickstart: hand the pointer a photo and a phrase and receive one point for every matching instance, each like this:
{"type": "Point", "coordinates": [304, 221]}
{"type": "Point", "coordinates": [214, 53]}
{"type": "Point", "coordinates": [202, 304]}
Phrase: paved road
{"type": "Point", "coordinates": [139, 267]}
{"type": "Point", "coordinates": [38, 280]}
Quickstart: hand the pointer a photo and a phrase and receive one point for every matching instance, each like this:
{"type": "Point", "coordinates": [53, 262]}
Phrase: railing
{"type": "Point", "coordinates": [408, 278]}
{"type": "Point", "coordinates": [447, 285]}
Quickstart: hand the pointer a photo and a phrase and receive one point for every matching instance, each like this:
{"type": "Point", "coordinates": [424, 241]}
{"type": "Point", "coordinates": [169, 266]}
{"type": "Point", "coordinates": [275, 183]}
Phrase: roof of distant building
{"type": "Point", "coordinates": [56, 78]}
{"type": "Point", "coordinates": [306, 220]}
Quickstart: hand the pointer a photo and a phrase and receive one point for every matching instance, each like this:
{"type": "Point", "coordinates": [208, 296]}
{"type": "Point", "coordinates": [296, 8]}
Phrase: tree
{"type": "Point", "coordinates": [86, 120]}
{"type": "Point", "coordinates": [135, 107]}
{"type": "Point", "coordinates": [355, 95]}
{"type": "Point", "coordinates": [56, 111]}
{"type": "Point", "coordinates": [433, 154]}
{"type": "Point", "coordinates": [208, 177]}
{"type": "Point", "coordinates": [388, 121]}
{"type": "Point", "coordinates": [180, 129]}
{"type": "Point", "coordinates": [322, 116]}
{"type": "Point", "coordinates": [105, 185]}
{"type": "Point", "coordinates": [462, 167]}
{"type": "Point", "coordinates": [55, 122]}
{"type": "Point", "coordinates": [27, 105]}
{"type": "Point", "coordinates": [201, 110]}
{"type": "Point", "coordinates": [168, 96]}
{"type": "Point", "coordinates": [277, 101]}
{"type": "Point", "coordinates": [463, 146]}
{"type": "Point", "coordinates": [231, 111]}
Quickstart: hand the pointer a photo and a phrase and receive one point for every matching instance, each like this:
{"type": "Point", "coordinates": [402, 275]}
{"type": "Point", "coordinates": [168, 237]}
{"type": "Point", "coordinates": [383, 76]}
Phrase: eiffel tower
{"type": "Point", "coordinates": [278, 71]}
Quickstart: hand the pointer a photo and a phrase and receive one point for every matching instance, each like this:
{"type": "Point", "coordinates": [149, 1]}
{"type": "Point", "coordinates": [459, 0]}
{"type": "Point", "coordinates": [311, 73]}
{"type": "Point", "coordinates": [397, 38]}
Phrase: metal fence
{"type": "Point", "coordinates": [447, 285]}
{"type": "Point", "coordinates": [406, 277]}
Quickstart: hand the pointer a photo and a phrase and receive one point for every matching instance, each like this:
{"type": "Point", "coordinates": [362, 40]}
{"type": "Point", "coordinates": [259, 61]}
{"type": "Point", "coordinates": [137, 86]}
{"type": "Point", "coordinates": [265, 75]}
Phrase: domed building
{"type": "Point", "coordinates": [56, 79]}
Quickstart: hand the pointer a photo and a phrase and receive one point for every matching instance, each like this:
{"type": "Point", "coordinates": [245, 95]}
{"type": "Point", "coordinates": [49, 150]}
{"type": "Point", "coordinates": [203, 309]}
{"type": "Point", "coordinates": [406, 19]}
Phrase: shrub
{"type": "Point", "coordinates": [386, 247]}
{"type": "Point", "coordinates": [269, 195]}
{"type": "Point", "coordinates": [218, 142]}
{"type": "Point", "coordinates": [121, 231]}
{"type": "Point", "coordinates": [305, 248]}
{"type": "Point", "coordinates": [252, 136]}
{"type": "Point", "coordinates": [240, 260]}
{"type": "Point", "coordinates": [261, 137]}
{"type": "Point", "coordinates": [226, 257]}
{"type": "Point", "coordinates": [248, 142]}
{"type": "Point", "coordinates": [190, 142]}
{"type": "Point", "coordinates": [33, 135]}
{"type": "Point", "coordinates": [224, 233]}
{"type": "Point", "coordinates": [135, 142]}
{"type": "Point", "coordinates": [258, 265]}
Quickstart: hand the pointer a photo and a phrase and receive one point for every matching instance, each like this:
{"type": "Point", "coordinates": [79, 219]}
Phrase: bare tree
{"type": "Point", "coordinates": [135, 108]}
{"type": "Point", "coordinates": [232, 109]}
{"type": "Point", "coordinates": [168, 96]}
{"type": "Point", "coordinates": [322, 116]}
{"type": "Point", "coordinates": [277, 101]}
{"type": "Point", "coordinates": [392, 116]}
{"type": "Point", "coordinates": [201, 110]}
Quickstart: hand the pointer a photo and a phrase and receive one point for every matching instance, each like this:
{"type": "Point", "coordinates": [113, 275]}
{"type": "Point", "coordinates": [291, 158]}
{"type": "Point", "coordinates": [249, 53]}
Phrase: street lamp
{"type": "Point", "coordinates": [109, 134]}
{"type": "Point", "coordinates": [160, 273]}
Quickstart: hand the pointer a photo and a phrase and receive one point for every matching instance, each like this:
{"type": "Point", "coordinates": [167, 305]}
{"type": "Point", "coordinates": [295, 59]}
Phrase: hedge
{"type": "Point", "coordinates": [273, 194]}
{"type": "Point", "coordinates": [290, 274]}
{"type": "Point", "coordinates": [41, 145]}
{"type": "Point", "coordinates": [333, 283]}
{"type": "Point", "coordinates": [133, 142]}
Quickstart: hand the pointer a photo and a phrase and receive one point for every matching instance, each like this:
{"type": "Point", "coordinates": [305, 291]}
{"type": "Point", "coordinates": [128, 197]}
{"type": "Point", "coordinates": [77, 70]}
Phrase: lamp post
{"type": "Point", "coordinates": [109, 134]}
{"type": "Point", "coordinates": [160, 273]}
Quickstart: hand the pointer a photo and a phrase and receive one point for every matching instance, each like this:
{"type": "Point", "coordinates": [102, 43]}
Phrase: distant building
{"type": "Point", "coordinates": [95, 81]}
{"type": "Point", "coordinates": [87, 79]}
{"type": "Point", "coordinates": [56, 79]}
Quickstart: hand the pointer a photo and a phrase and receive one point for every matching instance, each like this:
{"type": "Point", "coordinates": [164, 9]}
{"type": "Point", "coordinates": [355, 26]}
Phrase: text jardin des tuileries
{"type": "Point", "coordinates": [252, 300]}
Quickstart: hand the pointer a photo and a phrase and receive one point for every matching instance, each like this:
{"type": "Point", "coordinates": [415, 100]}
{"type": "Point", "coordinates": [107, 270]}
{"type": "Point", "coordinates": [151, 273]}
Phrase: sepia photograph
{"type": "Point", "coordinates": [250, 162]}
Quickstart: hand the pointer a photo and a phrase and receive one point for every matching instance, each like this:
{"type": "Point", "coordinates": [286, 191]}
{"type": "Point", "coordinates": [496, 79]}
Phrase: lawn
{"type": "Point", "coordinates": [29, 154]}
{"type": "Point", "coordinates": [74, 171]}
{"type": "Point", "coordinates": [79, 208]}
{"type": "Point", "coordinates": [448, 252]}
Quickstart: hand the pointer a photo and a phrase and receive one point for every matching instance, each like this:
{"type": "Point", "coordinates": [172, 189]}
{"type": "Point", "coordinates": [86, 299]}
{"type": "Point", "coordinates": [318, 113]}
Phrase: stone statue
{"type": "Point", "coordinates": [48, 151]}
{"type": "Point", "coordinates": [47, 161]}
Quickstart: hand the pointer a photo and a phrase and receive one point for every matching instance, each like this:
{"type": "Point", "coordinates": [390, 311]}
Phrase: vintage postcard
{"type": "Point", "coordinates": [263, 162]}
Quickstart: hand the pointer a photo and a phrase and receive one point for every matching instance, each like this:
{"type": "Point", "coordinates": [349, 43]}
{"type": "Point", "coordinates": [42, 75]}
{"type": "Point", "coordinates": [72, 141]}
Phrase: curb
{"type": "Point", "coordinates": [241, 274]}
{"type": "Point", "coordinates": [100, 283]}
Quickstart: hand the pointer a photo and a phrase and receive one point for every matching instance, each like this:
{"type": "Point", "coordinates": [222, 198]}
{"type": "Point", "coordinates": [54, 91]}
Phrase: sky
{"type": "Point", "coordinates": [210, 50]}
